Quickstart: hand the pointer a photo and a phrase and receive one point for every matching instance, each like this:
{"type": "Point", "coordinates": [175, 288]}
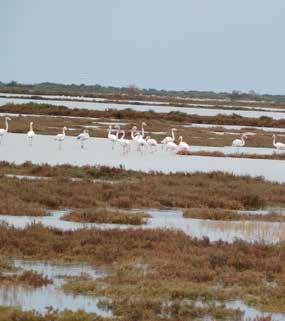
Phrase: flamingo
{"type": "Point", "coordinates": [171, 146]}
{"type": "Point", "coordinates": [84, 136]}
{"type": "Point", "coordinates": [60, 137]}
{"type": "Point", "coordinates": [31, 134]}
{"type": "Point", "coordinates": [111, 136]}
{"type": "Point", "coordinates": [168, 138]}
{"type": "Point", "coordinates": [183, 145]}
{"type": "Point", "coordinates": [3, 131]}
{"type": "Point", "coordinates": [278, 146]}
{"type": "Point", "coordinates": [140, 141]}
{"type": "Point", "coordinates": [239, 142]}
{"type": "Point", "coordinates": [125, 143]}
{"type": "Point", "coordinates": [152, 143]}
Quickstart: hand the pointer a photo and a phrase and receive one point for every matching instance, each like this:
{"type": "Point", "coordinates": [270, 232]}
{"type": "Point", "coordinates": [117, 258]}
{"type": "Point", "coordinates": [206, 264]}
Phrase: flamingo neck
{"type": "Point", "coordinates": [117, 134]}
{"type": "Point", "coordinates": [142, 131]}
{"type": "Point", "coordinates": [31, 127]}
{"type": "Point", "coordinates": [133, 133]}
{"type": "Point", "coordinates": [123, 136]}
{"type": "Point", "coordinates": [173, 135]}
{"type": "Point", "coordinates": [274, 141]}
{"type": "Point", "coordinates": [6, 125]}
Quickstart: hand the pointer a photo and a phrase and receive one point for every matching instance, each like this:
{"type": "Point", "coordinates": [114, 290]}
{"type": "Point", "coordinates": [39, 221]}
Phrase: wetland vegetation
{"type": "Point", "coordinates": [131, 190]}
{"type": "Point", "coordinates": [148, 268]}
{"type": "Point", "coordinates": [227, 215]}
{"type": "Point", "coordinates": [105, 215]}
{"type": "Point", "coordinates": [150, 274]}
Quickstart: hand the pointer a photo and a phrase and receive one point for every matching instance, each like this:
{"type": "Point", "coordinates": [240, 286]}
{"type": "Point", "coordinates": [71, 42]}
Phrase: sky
{"type": "Point", "coordinates": [219, 45]}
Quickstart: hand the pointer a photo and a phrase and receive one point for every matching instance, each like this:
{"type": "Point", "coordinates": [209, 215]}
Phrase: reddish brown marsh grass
{"type": "Point", "coordinates": [226, 215]}
{"type": "Point", "coordinates": [156, 191]}
{"type": "Point", "coordinates": [135, 190]}
{"type": "Point", "coordinates": [101, 215]}
{"type": "Point", "coordinates": [179, 117]}
{"type": "Point", "coordinates": [179, 267]}
{"type": "Point", "coordinates": [29, 278]}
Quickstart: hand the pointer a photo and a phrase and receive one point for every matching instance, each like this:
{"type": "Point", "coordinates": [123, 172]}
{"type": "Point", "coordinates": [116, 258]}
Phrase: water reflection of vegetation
{"type": "Point", "coordinates": [154, 266]}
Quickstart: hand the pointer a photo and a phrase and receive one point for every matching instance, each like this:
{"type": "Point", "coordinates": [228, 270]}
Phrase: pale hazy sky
{"type": "Point", "coordinates": [169, 44]}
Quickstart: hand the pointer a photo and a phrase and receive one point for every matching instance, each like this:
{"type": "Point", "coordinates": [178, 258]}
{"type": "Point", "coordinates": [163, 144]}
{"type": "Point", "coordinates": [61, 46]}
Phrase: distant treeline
{"type": "Point", "coordinates": [132, 91]}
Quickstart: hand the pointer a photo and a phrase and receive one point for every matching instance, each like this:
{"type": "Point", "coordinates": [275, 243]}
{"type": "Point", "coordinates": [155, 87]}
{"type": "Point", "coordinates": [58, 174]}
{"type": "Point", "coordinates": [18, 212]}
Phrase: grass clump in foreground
{"type": "Point", "coordinates": [226, 215]}
{"type": "Point", "coordinates": [103, 215]}
{"type": "Point", "coordinates": [149, 268]}
{"type": "Point", "coordinates": [15, 314]}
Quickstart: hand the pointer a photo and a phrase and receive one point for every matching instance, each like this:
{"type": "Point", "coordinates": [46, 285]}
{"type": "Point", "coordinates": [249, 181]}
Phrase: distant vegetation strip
{"type": "Point", "coordinates": [131, 91]}
{"type": "Point", "coordinates": [176, 116]}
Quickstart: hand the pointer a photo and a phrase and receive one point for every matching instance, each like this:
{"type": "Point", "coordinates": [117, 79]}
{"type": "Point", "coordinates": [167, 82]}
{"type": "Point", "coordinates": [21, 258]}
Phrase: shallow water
{"type": "Point", "coordinates": [235, 127]}
{"type": "Point", "coordinates": [98, 151]}
{"type": "Point", "coordinates": [30, 298]}
{"type": "Point", "coordinates": [251, 231]}
{"type": "Point", "coordinates": [160, 109]}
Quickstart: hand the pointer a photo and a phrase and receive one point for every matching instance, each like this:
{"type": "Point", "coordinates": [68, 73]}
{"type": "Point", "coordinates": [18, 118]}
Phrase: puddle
{"type": "Point", "coordinates": [250, 231]}
{"type": "Point", "coordinates": [160, 109]}
{"type": "Point", "coordinates": [29, 298]}
{"type": "Point", "coordinates": [251, 313]}
{"type": "Point", "coordinates": [98, 151]}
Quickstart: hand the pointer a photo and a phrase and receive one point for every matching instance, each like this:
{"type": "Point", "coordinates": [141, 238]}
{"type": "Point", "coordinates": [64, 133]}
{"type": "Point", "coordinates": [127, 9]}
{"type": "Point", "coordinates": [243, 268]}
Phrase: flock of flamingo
{"type": "Point", "coordinates": [117, 136]}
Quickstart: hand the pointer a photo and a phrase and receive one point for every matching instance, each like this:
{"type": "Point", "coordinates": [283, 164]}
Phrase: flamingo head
{"type": "Point", "coordinates": [8, 118]}
{"type": "Point", "coordinates": [274, 136]}
{"type": "Point", "coordinates": [180, 138]}
{"type": "Point", "coordinates": [86, 131]}
{"type": "Point", "coordinates": [31, 123]}
{"type": "Point", "coordinates": [174, 129]}
{"type": "Point", "coordinates": [64, 128]}
{"type": "Point", "coordinates": [144, 124]}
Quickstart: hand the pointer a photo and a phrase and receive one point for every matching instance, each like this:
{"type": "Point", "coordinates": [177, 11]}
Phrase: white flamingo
{"type": "Point", "coordinates": [111, 136]}
{"type": "Point", "coordinates": [83, 137]}
{"type": "Point", "coordinates": [171, 146]}
{"type": "Point", "coordinates": [183, 146]}
{"type": "Point", "coordinates": [4, 131]}
{"type": "Point", "coordinates": [169, 139]}
{"type": "Point", "coordinates": [138, 139]}
{"type": "Point", "coordinates": [125, 143]}
{"type": "Point", "coordinates": [239, 142]}
{"type": "Point", "coordinates": [60, 137]}
{"type": "Point", "coordinates": [279, 146]}
{"type": "Point", "coordinates": [31, 134]}
{"type": "Point", "coordinates": [152, 143]}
